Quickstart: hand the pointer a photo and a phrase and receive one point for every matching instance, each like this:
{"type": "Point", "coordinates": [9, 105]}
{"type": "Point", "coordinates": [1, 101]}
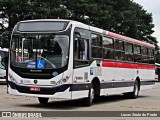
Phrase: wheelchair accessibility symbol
{"type": "Point", "coordinates": [40, 64]}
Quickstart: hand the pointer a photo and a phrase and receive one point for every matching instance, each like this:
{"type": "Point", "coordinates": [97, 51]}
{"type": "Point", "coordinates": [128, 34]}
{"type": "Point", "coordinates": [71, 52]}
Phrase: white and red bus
{"type": "Point", "coordinates": [64, 59]}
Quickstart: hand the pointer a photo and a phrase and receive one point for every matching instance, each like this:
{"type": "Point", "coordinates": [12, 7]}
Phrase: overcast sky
{"type": "Point", "coordinates": [152, 6]}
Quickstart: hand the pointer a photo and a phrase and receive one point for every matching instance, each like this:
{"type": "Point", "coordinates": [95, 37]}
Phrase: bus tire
{"type": "Point", "coordinates": [43, 100]}
{"type": "Point", "coordinates": [135, 93]}
{"type": "Point", "coordinates": [89, 100]}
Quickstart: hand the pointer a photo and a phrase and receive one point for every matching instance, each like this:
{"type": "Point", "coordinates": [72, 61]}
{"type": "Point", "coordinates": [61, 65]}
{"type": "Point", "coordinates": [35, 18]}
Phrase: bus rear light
{"type": "Point", "coordinates": [156, 77]}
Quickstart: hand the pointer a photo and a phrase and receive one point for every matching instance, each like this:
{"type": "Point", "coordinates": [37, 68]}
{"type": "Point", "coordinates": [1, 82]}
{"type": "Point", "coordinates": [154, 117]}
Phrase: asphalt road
{"type": "Point", "coordinates": [148, 100]}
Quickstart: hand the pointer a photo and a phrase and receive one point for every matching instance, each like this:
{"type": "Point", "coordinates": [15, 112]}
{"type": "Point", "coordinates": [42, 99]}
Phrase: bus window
{"type": "Point", "coordinates": [119, 50]}
{"type": "Point", "coordinates": [151, 56]}
{"type": "Point", "coordinates": [96, 46]}
{"type": "Point", "coordinates": [119, 45]}
{"type": "Point", "coordinates": [137, 53]}
{"type": "Point", "coordinates": [108, 42]}
{"type": "Point", "coordinates": [128, 51]}
{"type": "Point", "coordinates": [144, 54]}
{"type": "Point", "coordinates": [108, 54]}
{"type": "Point", "coordinates": [108, 48]}
{"type": "Point", "coordinates": [119, 55]}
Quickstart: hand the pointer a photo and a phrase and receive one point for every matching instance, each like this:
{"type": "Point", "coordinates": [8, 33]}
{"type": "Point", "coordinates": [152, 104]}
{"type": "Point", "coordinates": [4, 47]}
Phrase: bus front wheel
{"type": "Point", "coordinates": [89, 100]}
{"type": "Point", "coordinates": [43, 100]}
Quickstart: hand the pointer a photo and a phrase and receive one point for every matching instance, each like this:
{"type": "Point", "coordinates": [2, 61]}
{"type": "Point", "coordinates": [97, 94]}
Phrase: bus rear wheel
{"type": "Point", "coordinates": [135, 93]}
{"type": "Point", "coordinates": [43, 100]}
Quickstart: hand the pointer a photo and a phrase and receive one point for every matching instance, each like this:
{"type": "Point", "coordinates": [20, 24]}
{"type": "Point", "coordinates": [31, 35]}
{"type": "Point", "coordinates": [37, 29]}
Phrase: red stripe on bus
{"type": "Point", "coordinates": [127, 65]}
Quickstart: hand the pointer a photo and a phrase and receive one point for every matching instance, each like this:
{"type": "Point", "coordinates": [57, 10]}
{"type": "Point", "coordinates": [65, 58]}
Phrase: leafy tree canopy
{"type": "Point", "coordinates": [120, 16]}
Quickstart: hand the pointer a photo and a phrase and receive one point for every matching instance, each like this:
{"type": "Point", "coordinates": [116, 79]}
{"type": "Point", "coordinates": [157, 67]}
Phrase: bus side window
{"type": "Point", "coordinates": [96, 46]}
{"type": "Point", "coordinates": [151, 59]}
{"type": "Point", "coordinates": [129, 52]}
{"type": "Point", "coordinates": [119, 50]}
{"type": "Point", "coordinates": [108, 48]}
{"type": "Point", "coordinates": [144, 55]}
{"type": "Point", "coordinates": [137, 54]}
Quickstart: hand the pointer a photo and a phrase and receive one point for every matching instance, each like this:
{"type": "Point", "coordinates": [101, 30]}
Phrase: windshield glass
{"type": "Point", "coordinates": [40, 51]}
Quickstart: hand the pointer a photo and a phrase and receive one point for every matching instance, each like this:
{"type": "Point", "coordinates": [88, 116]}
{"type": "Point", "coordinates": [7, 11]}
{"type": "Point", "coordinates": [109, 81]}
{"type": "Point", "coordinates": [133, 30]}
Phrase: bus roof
{"type": "Point", "coordinates": [108, 33]}
{"type": "Point", "coordinates": [118, 36]}
{"type": "Point", "coordinates": [38, 20]}
{"type": "Point", "coordinates": [111, 34]}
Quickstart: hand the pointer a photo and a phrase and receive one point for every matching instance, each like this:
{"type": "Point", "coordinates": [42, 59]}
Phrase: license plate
{"type": "Point", "coordinates": [35, 89]}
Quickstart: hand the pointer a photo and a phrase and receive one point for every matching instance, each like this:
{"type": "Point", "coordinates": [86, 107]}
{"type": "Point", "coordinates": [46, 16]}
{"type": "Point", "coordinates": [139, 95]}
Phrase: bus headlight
{"type": "Point", "coordinates": [60, 82]}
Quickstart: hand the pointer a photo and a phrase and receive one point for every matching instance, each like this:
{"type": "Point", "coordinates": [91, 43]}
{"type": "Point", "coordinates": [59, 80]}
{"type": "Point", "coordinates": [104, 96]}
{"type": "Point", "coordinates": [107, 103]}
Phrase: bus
{"type": "Point", "coordinates": [66, 60]}
{"type": "Point", "coordinates": [3, 54]}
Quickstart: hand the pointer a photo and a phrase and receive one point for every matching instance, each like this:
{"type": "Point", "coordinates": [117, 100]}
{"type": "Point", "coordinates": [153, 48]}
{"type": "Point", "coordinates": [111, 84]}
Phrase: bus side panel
{"type": "Point", "coordinates": [117, 79]}
{"type": "Point", "coordinates": [108, 77]}
{"type": "Point", "coordinates": [147, 78]}
{"type": "Point", "coordinates": [81, 83]}
{"type": "Point", "coordinates": [123, 81]}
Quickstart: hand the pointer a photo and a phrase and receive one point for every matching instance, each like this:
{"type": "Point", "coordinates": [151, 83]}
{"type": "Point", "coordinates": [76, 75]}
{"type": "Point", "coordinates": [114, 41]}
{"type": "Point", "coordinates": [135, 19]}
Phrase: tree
{"type": "Point", "coordinates": [120, 16]}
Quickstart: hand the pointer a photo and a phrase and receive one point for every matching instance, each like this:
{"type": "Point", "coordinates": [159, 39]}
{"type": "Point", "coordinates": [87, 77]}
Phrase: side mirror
{"type": "Point", "coordinates": [4, 62]}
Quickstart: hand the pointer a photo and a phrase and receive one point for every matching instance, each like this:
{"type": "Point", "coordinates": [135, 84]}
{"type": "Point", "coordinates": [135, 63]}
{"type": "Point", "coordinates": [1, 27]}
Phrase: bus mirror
{"type": "Point", "coordinates": [4, 62]}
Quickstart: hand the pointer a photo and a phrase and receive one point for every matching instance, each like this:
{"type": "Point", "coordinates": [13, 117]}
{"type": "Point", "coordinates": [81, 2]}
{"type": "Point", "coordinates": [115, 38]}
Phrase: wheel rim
{"type": "Point", "coordinates": [91, 95]}
{"type": "Point", "coordinates": [136, 90]}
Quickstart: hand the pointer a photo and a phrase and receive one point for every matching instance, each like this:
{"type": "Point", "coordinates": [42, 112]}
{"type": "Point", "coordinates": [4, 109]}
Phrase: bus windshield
{"type": "Point", "coordinates": [46, 51]}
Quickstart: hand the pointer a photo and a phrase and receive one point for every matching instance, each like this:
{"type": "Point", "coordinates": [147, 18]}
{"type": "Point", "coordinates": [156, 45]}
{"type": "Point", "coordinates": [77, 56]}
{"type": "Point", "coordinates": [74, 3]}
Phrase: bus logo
{"type": "Point", "coordinates": [91, 71]}
{"type": "Point", "coordinates": [35, 81]}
